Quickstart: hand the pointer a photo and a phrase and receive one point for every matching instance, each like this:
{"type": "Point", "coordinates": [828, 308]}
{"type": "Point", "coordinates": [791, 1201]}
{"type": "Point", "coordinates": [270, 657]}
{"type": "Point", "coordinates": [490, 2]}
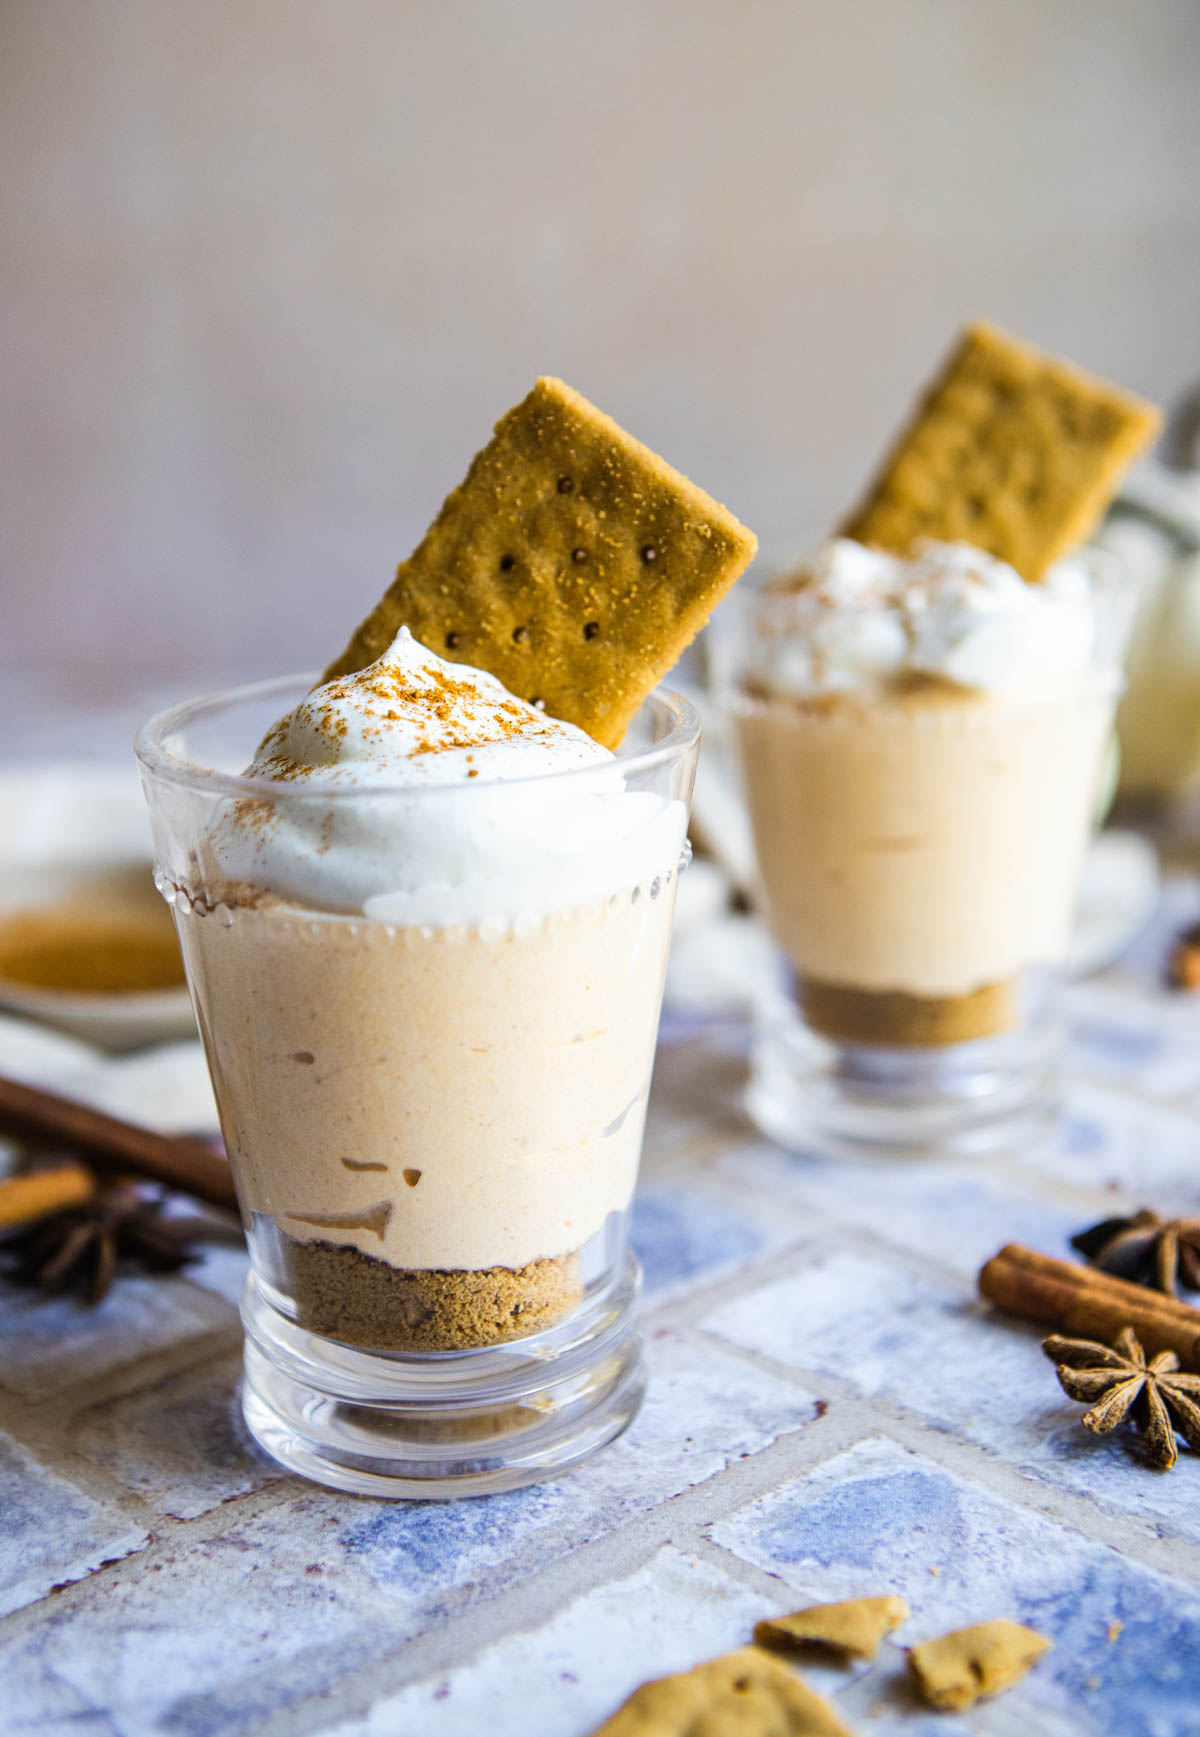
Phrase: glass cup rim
{"type": "Point", "coordinates": [156, 762]}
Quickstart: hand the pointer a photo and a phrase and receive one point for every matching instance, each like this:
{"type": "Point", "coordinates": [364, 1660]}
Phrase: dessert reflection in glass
{"type": "Point", "coordinates": [922, 739]}
{"type": "Point", "coordinates": [425, 932]}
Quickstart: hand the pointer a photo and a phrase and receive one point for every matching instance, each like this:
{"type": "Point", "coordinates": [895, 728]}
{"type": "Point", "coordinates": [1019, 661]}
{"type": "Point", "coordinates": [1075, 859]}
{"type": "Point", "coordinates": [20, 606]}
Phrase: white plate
{"type": "Point", "coordinates": [64, 832]}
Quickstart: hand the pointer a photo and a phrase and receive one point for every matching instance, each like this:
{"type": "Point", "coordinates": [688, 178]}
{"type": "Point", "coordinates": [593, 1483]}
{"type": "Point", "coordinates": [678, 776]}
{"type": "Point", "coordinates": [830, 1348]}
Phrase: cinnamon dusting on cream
{"type": "Point", "coordinates": [456, 809]}
{"type": "Point", "coordinates": [407, 705]}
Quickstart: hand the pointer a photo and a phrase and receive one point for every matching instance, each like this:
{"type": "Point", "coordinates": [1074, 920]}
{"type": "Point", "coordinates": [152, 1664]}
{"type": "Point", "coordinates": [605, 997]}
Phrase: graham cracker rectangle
{"type": "Point", "coordinates": [572, 563]}
{"type": "Point", "coordinates": [1013, 451]}
{"type": "Point", "coordinates": [747, 1692]}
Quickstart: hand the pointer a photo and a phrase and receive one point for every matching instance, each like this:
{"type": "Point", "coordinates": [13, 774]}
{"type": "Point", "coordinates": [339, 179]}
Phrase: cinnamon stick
{"type": "Point", "coordinates": [172, 1159]}
{"type": "Point", "coordinates": [1086, 1276]}
{"type": "Point", "coordinates": [24, 1199]}
{"type": "Point", "coordinates": [1086, 1303]}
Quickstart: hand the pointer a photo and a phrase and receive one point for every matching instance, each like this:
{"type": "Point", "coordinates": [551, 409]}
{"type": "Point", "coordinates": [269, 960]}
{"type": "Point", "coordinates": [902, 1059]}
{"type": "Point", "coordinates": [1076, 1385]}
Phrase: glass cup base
{"type": "Point", "coordinates": [461, 1423]}
{"type": "Point", "coordinates": [843, 1100]}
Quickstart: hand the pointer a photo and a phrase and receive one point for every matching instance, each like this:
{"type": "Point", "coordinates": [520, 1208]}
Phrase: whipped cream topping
{"type": "Point", "coordinates": [416, 791]}
{"type": "Point", "coordinates": [855, 617]}
{"type": "Point", "coordinates": [413, 718]}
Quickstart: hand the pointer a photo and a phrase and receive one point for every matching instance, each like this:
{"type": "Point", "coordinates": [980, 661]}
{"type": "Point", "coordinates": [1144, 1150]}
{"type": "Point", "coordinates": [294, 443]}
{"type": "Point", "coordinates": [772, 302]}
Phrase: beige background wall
{"type": "Point", "coordinates": [271, 268]}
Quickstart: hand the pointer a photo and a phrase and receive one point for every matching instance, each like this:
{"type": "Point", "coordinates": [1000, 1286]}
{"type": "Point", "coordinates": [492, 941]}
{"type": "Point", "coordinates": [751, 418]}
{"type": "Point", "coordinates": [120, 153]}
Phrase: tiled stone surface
{"type": "Point", "coordinates": [1147, 1041]}
{"type": "Point", "coordinates": [569, 1675]}
{"type": "Point", "coordinates": [46, 1347]}
{"type": "Point", "coordinates": [181, 1446]}
{"type": "Point", "coordinates": [213, 1635]}
{"type": "Point", "coordinates": [1124, 1145]}
{"type": "Point", "coordinates": [873, 1325]}
{"type": "Point", "coordinates": [221, 1270]}
{"type": "Point", "coordinates": [686, 1235]}
{"type": "Point", "coordinates": [355, 1579]}
{"type": "Point", "coordinates": [830, 1412]}
{"type": "Point", "coordinates": [35, 1554]}
{"type": "Point", "coordinates": [893, 1204]}
{"type": "Point", "coordinates": [702, 1412]}
{"type": "Point", "coordinates": [879, 1517]}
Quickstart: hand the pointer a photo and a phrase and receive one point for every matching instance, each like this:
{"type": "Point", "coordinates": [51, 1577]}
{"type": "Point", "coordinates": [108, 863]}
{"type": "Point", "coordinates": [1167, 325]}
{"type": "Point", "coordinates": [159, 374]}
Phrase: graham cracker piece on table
{"type": "Point", "coordinates": [572, 563]}
{"type": "Point", "coordinates": [1013, 451]}
{"type": "Point", "coordinates": [855, 1626]}
{"type": "Point", "coordinates": [971, 1664]}
{"type": "Point", "coordinates": [747, 1693]}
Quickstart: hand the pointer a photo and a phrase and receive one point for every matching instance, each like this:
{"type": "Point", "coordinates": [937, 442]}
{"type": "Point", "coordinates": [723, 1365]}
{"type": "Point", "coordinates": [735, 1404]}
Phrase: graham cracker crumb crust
{"type": "Point", "coordinates": [357, 1299]}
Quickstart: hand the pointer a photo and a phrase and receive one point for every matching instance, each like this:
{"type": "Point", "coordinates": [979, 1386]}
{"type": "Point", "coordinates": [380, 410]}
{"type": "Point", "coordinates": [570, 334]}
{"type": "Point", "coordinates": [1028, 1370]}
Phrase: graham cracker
{"type": "Point", "coordinates": [855, 1626]}
{"type": "Point", "coordinates": [1013, 451]}
{"type": "Point", "coordinates": [745, 1692]}
{"type": "Point", "coordinates": [895, 1019]}
{"type": "Point", "coordinates": [973, 1663]}
{"type": "Point", "coordinates": [572, 563]}
{"type": "Point", "coordinates": [357, 1299]}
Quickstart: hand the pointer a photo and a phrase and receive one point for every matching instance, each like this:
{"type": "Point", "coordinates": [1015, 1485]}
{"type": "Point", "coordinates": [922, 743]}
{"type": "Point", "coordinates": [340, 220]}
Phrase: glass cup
{"type": "Point", "coordinates": [434, 1127]}
{"type": "Point", "coordinates": [919, 855]}
{"type": "Point", "coordinates": [1158, 720]}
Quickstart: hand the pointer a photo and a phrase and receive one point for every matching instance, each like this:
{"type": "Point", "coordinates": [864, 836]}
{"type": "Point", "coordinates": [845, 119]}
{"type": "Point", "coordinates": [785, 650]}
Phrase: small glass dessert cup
{"type": "Point", "coordinates": [434, 1125]}
{"type": "Point", "coordinates": [919, 841]}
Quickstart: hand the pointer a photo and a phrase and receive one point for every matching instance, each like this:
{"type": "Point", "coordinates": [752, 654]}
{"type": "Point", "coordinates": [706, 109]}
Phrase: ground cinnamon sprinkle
{"type": "Point", "coordinates": [435, 698]}
{"type": "Point", "coordinates": [77, 948]}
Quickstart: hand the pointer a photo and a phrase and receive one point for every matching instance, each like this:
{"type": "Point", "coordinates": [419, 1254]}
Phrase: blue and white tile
{"type": "Point", "coordinates": [563, 1679]}
{"type": "Point", "coordinates": [51, 1532]}
{"type": "Point", "coordinates": [39, 1706]}
{"type": "Point", "coordinates": [221, 1269]}
{"type": "Point", "coordinates": [209, 1639]}
{"type": "Point", "coordinates": [179, 1445]}
{"type": "Point", "coordinates": [880, 1519]}
{"type": "Point", "coordinates": [702, 1412]}
{"type": "Point", "coordinates": [688, 1234]}
{"type": "Point", "coordinates": [1129, 1149]}
{"type": "Point", "coordinates": [957, 1215]}
{"type": "Point", "coordinates": [1134, 1038]}
{"type": "Point", "coordinates": [873, 1326]}
{"type": "Point", "coordinates": [47, 1346]}
{"type": "Point", "coordinates": [213, 1637]}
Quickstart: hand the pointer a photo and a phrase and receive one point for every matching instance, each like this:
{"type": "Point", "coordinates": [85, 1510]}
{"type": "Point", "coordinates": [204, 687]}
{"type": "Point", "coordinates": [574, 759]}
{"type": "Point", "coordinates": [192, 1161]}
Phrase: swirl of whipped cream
{"type": "Point", "coordinates": [442, 810]}
{"type": "Point", "coordinates": [855, 617]}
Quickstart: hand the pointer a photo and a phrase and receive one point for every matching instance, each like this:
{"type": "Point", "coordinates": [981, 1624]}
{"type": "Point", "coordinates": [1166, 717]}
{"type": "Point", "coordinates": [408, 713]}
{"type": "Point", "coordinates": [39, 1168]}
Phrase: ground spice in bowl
{"type": "Point", "coordinates": [82, 948]}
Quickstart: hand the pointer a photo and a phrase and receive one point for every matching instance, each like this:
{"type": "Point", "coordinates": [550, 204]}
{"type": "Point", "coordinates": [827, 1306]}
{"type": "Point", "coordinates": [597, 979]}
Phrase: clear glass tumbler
{"type": "Point", "coordinates": [434, 1127]}
{"type": "Point", "coordinates": [919, 853]}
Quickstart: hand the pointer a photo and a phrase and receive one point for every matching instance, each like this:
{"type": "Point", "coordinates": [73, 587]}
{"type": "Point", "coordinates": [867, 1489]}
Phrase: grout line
{"type": "Point", "coordinates": [167, 1536]}
{"type": "Point", "coordinates": [537, 1593]}
{"type": "Point", "coordinates": [1130, 1537]}
{"type": "Point", "coordinates": [81, 1392]}
{"type": "Point", "coordinates": [540, 1595]}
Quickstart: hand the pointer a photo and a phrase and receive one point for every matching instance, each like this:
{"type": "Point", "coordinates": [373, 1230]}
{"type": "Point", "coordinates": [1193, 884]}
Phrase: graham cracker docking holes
{"type": "Point", "coordinates": [1013, 451]}
{"type": "Point", "coordinates": [572, 563]}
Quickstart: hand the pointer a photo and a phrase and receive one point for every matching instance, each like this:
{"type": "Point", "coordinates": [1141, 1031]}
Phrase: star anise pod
{"type": "Point", "coordinates": [1146, 1249]}
{"type": "Point", "coordinates": [79, 1249]}
{"type": "Point", "coordinates": [1117, 1382]}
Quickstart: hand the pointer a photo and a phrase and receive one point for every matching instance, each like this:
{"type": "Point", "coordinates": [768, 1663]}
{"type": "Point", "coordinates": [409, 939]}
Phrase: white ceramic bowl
{"type": "Point", "coordinates": [66, 832]}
